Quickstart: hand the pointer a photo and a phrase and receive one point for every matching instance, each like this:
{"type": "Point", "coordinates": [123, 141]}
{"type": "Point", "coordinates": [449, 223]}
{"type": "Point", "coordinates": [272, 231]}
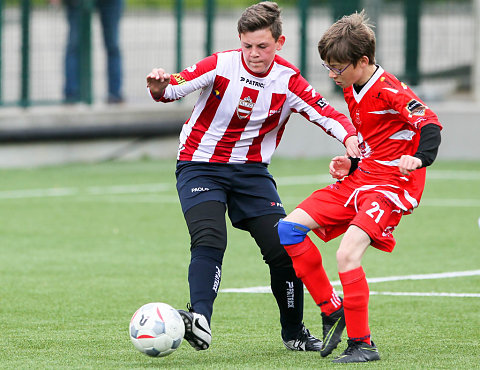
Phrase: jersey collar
{"type": "Point", "coordinates": [261, 75]}
{"type": "Point", "coordinates": [368, 85]}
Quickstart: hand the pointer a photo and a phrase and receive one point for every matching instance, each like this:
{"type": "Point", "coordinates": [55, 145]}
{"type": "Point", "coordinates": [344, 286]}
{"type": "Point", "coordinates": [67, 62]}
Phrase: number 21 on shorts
{"type": "Point", "coordinates": [375, 212]}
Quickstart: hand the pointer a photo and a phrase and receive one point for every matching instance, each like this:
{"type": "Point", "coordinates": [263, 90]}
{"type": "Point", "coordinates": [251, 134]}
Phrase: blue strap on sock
{"type": "Point", "coordinates": [291, 232]}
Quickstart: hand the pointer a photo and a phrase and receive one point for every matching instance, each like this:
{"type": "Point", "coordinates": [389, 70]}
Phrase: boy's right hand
{"type": "Point", "coordinates": [157, 82]}
{"type": "Point", "coordinates": [351, 144]}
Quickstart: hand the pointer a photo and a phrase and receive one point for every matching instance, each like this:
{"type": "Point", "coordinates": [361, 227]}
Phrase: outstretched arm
{"type": "Point", "coordinates": [157, 82]}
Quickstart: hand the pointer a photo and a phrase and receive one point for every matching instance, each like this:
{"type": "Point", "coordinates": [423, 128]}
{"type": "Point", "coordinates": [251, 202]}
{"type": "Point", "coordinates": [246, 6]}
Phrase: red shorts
{"type": "Point", "coordinates": [340, 205]}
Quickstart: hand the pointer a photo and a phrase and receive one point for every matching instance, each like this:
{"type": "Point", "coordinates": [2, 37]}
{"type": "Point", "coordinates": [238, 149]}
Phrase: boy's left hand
{"type": "Point", "coordinates": [409, 164]}
{"type": "Point", "coordinates": [339, 167]}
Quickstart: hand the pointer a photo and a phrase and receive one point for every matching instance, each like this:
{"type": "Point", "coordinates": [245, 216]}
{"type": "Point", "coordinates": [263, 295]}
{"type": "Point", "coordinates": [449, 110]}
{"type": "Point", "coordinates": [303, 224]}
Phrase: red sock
{"type": "Point", "coordinates": [307, 262]}
{"type": "Point", "coordinates": [355, 304]}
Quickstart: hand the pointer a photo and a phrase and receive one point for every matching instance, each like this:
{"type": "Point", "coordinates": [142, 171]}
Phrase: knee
{"type": "Point", "coordinates": [264, 230]}
{"type": "Point", "coordinates": [352, 247]}
{"type": "Point", "coordinates": [207, 231]}
{"type": "Point", "coordinates": [304, 254]}
{"type": "Point", "coordinates": [277, 257]}
{"type": "Point", "coordinates": [346, 260]}
{"type": "Point", "coordinates": [342, 257]}
{"type": "Point", "coordinates": [207, 235]}
{"type": "Point", "coordinates": [291, 232]}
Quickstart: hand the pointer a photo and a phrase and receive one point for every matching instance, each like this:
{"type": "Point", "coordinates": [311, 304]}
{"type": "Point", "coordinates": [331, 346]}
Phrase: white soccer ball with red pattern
{"type": "Point", "coordinates": [156, 329]}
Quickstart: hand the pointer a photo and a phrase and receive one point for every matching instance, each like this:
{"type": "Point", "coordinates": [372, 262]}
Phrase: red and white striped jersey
{"type": "Point", "coordinates": [388, 117]}
{"type": "Point", "coordinates": [240, 116]}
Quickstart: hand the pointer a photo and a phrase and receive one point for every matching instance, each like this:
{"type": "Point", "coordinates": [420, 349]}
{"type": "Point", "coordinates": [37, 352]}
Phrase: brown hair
{"type": "Point", "coordinates": [260, 16]}
{"type": "Point", "coordinates": [348, 39]}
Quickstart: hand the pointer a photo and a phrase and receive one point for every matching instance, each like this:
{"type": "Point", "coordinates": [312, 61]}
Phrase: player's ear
{"type": "Point", "coordinates": [280, 42]}
{"type": "Point", "coordinates": [364, 61]}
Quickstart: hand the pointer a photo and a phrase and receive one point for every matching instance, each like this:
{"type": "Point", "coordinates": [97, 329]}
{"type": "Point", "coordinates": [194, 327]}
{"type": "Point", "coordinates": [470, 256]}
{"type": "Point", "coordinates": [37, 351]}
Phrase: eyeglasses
{"type": "Point", "coordinates": [337, 71]}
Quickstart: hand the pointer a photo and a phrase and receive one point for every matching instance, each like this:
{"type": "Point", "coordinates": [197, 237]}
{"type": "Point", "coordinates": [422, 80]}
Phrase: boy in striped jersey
{"type": "Point", "coordinates": [399, 136]}
{"type": "Point", "coordinates": [247, 96]}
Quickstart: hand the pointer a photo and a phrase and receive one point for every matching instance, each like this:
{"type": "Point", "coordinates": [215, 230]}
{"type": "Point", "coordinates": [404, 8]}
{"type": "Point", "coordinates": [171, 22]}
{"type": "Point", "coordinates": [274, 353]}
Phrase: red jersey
{"type": "Point", "coordinates": [240, 115]}
{"type": "Point", "coordinates": [388, 117]}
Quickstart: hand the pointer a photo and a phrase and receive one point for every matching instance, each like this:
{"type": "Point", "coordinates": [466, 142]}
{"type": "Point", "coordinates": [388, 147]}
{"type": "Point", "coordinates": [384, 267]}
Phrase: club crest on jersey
{"type": "Point", "coordinates": [245, 107]}
{"type": "Point", "coordinates": [358, 120]}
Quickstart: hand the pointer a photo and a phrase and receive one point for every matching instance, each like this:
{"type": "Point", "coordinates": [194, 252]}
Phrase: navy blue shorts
{"type": "Point", "coordinates": [248, 189]}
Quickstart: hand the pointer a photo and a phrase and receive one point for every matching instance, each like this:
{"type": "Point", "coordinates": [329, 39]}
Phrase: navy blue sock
{"type": "Point", "coordinates": [288, 291]}
{"type": "Point", "coordinates": [204, 274]}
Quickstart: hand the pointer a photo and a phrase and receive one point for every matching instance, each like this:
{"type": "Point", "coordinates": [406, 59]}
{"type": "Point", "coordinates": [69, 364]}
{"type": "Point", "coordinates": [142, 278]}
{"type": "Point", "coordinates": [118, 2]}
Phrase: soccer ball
{"type": "Point", "coordinates": [156, 329]}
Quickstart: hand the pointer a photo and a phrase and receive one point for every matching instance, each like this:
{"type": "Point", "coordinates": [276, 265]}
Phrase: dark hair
{"type": "Point", "coordinates": [260, 16]}
{"type": "Point", "coordinates": [348, 40]}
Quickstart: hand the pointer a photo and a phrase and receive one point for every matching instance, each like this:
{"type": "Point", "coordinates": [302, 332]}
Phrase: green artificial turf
{"type": "Point", "coordinates": [83, 246]}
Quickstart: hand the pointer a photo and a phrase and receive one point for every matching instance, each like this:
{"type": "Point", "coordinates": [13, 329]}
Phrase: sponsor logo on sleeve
{"type": "Point", "coordinates": [415, 108]}
{"type": "Point", "coordinates": [178, 77]}
{"type": "Point", "coordinates": [322, 102]}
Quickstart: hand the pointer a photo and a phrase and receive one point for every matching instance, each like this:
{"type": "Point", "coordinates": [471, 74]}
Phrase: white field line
{"type": "Point", "coordinates": [128, 189]}
{"type": "Point", "coordinates": [428, 294]}
{"type": "Point", "coordinates": [91, 190]}
{"type": "Point", "coordinates": [282, 180]}
{"type": "Point", "coordinates": [444, 275]}
{"type": "Point", "coordinates": [441, 275]}
{"type": "Point", "coordinates": [38, 193]}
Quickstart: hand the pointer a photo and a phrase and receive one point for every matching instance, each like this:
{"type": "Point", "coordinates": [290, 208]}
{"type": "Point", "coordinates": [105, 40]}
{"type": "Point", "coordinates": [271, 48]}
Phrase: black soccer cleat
{"type": "Point", "coordinates": [358, 352]}
{"type": "Point", "coordinates": [197, 329]}
{"type": "Point", "coordinates": [304, 342]}
{"type": "Point", "coordinates": [333, 326]}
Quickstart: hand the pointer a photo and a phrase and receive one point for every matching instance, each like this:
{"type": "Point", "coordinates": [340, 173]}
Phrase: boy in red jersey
{"type": "Point", "coordinates": [399, 136]}
{"type": "Point", "coordinates": [247, 97]}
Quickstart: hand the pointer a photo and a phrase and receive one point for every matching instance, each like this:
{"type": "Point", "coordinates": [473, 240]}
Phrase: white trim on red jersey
{"type": "Point", "coordinates": [240, 116]}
